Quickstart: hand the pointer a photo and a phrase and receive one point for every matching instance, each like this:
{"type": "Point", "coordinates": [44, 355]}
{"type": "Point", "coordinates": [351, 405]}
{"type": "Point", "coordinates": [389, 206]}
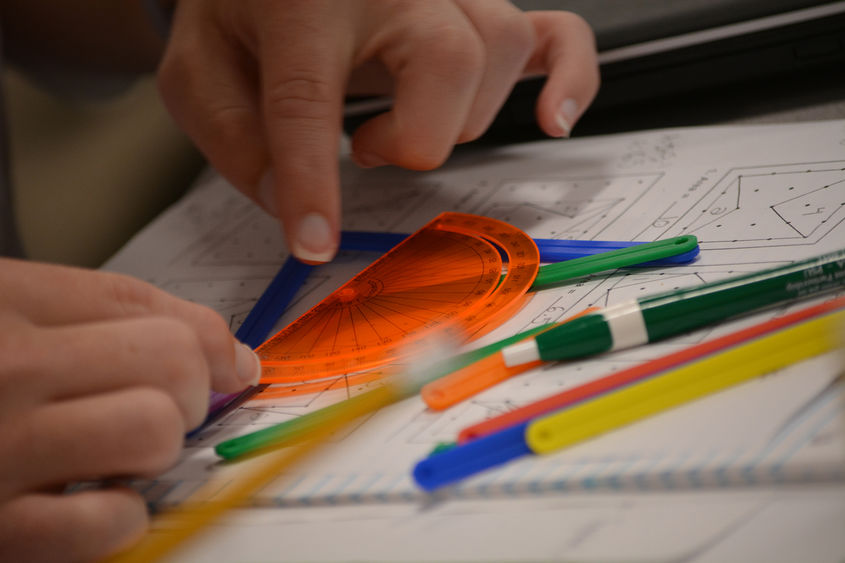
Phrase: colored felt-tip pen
{"type": "Point", "coordinates": [663, 315]}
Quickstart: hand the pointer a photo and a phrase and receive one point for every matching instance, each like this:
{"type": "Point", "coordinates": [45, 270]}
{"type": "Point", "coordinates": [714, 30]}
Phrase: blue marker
{"type": "Point", "coordinates": [452, 465]}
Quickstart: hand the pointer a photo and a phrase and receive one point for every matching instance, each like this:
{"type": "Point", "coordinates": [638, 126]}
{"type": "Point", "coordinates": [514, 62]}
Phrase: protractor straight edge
{"type": "Point", "coordinates": [444, 280]}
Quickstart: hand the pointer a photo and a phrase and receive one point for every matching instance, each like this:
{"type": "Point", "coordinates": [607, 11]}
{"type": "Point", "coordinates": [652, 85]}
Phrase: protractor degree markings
{"type": "Point", "coordinates": [431, 283]}
{"type": "Point", "coordinates": [468, 286]}
{"type": "Point", "coordinates": [416, 315]}
{"type": "Point", "coordinates": [339, 327]}
{"type": "Point", "coordinates": [444, 299]}
{"type": "Point", "coordinates": [344, 335]}
{"type": "Point", "coordinates": [354, 326]}
{"type": "Point", "coordinates": [466, 245]}
{"type": "Point", "coordinates": [413, 314]}
{"type": "Point", "coordinates": [458, 244]}
{"type": "Point", "coordinates": [332, 316]}
{"type": "Point", "coordinates": [325, 330]}
{"type": "Point", "coordinates": [377, 307]}
{"type": "Point", "coordinates": [421, 278]}
{"type": "Point", "coordinates": [437, 269]}
{"type": "Point", "coordinates": [463, 297]}
{"type": "Point", "coordinates": [295, 334]}
{"type": "Point", "coordinates": [419, 272]}
{"type": "Point", "coordinates": [424, 250]}
{"type": "Point", "coordinates": [375, 330]}
{"type": "Point", "coordinates": [474, 289]}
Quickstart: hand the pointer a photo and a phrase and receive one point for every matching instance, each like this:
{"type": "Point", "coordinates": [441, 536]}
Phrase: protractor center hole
{"type": "Point", "coordinates": [362, 291]}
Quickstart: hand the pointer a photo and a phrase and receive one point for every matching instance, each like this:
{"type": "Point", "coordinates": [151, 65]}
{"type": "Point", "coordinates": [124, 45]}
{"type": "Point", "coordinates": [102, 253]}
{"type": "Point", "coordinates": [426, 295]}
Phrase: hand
{"type": "Point", "coordinates": [259, 86]}
{"type": "Point", "coordinates": [101, 376]}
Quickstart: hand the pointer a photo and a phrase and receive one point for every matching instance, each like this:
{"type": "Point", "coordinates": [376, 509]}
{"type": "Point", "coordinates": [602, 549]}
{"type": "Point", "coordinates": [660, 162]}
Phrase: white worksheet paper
{"type": "Point", "coordinates": [756, 197]}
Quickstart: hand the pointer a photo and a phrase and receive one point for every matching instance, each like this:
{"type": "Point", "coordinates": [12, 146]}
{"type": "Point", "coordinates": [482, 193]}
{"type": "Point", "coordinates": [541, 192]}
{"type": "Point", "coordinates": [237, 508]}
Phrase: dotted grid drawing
{"type": "Point", "coordinates": [220, 251]}
{"type": "Point", "coordinates": [230, 230]}
{"type": "Point", "coordinates": [780, 205]}
{"type": "Point", "coordinates": [382, 205]}
{"type": "Point", "coordinates": [564, 208]}
{"type": "Point", "coordinates": [226, 296]}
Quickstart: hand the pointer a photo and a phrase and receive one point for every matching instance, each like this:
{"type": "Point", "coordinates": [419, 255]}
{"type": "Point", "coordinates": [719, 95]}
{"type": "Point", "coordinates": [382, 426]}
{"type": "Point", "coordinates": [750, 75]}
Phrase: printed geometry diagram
{"type": "Point", "coordinates": [790, 204]}
{"type": "Point", "coordinates": [567, 208]}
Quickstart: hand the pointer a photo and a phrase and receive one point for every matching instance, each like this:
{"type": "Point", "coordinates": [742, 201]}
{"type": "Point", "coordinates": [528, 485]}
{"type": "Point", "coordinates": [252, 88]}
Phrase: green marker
{"type": "Point", "coordinates": [559, 272]}
{"type": "Point", "coordinates": [291, 431]}
{"type": "Point", "coordinates": [671, 313]}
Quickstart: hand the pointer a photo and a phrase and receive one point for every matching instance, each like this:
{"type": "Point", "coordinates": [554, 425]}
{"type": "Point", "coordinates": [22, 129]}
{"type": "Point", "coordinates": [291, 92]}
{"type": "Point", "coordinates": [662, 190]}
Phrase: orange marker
{"type": "Point", "coordinates": [487, 372]}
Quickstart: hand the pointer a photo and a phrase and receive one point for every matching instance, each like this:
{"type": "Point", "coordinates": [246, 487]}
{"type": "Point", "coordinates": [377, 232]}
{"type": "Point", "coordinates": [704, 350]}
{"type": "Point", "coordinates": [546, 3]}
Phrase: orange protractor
{"type": "Point", "coordinates": [445, 278]}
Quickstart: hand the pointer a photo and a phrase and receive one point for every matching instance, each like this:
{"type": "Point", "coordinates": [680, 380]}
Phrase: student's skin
{"type": "Point", "coordinates": [102, 375]}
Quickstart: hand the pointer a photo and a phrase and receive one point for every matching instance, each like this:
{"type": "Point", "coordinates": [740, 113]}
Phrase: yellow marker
{"type": "Point", "coordinates": [714, 373]}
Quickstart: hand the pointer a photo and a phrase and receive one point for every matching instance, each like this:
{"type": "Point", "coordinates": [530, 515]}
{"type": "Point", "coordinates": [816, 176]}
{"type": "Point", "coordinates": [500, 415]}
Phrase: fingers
{"type": "Point", "coordinates": [136, 431]}
{"type": "Point", "coordinates": [274, 137]}
{"type": "Point", "coordinates": [209, 83]}
{"type": "Point", "coordinates": [436, 59]}
{"type": "Point", "coordinates": [65, 363]}
{"type": "Point", "coordinates": [260, 89]}
{"type": "Point", "coordinates": [429, 108]}
{"type": "Point", "coordinates": [508, 38]}
{"type": "Point", "coordinates": [305, 61]}
{"type": "Point", "coordinates": [85, 526]}
{"type": "Point", "coordinates": [50, 295]}
{"type": "Point", "coordinates": [566, 52]}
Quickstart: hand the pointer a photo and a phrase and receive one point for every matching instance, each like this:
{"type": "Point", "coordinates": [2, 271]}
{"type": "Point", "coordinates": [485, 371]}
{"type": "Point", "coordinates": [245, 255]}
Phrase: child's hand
{"type": "Point", "coordinates": [259, 86]}
{"type": "Point", "coordinates": [101, 376]}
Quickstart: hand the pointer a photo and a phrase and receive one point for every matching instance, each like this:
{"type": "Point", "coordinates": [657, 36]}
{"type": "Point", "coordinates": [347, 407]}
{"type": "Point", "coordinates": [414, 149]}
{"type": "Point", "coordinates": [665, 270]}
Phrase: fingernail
{"type": "Point", "coordinates": [247, 364]}
{"type": "Point", "coordinates": [314, 241]}
{"type": "Point", "coordinates": [566, 116]}
{"type": "Point", "coordinates": [368, 159]}
{"type": "Point", "coordinates": [267, 193]}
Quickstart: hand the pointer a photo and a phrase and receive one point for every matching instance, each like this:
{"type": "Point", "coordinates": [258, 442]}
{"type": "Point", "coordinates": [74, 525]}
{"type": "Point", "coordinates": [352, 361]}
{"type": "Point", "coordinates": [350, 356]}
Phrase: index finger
{"type": "Point", "coordinates": [51, 295]}
{"type": "Point", "coordinates": [304, 71]}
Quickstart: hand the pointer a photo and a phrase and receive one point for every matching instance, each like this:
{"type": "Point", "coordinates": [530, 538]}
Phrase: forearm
{"type": "Point", "coordinates": [92, 35]}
